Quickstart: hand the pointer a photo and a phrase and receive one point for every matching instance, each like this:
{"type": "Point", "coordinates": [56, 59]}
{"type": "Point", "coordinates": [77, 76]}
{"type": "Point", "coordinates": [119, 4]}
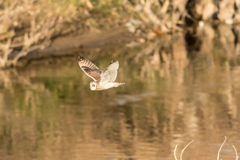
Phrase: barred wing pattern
{"type": "Point", "coordinates": [89, 68]}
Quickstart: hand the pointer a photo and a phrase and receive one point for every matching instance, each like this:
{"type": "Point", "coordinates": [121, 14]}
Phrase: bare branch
{"type": "Point", "coordinates": [165, 7]}
{"type": "Point", "coordinates": [148, 11]}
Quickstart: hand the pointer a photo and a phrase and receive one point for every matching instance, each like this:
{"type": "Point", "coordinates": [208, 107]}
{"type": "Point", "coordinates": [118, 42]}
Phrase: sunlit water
{"type": "Point", "coordinates": [173, 94]}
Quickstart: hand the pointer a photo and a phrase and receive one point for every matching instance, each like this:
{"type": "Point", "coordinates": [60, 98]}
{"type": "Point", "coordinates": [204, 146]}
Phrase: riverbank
{"type": "Point", "coordinates": [70, 44]}
{"type": "Point", "coordinates": [30, 27]}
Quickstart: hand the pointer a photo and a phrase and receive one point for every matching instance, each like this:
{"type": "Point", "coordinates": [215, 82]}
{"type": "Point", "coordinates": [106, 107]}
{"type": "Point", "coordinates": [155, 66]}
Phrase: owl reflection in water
{"type": "Point", "coordinates": [102, 79]}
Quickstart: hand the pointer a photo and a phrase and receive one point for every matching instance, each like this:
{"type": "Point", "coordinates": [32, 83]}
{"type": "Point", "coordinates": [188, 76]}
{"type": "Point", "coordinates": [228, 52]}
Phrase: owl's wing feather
{"type": "Point", "coordinates": [110, 73]}
{"type": "Point", "coordinates": [95, 74]}
{"type": "Point", "coordinates": [90, 69]}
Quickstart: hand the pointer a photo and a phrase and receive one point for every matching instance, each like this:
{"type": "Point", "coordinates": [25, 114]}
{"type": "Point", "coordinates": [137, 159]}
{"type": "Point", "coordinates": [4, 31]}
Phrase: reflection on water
{"type": "Point", "coordinates": [174, 93]}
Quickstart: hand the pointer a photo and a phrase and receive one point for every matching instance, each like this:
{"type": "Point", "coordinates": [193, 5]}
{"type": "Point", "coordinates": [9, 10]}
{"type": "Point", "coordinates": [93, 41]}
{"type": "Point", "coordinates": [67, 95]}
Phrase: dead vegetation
{"type": "Point", "coordinates": [24, 29]}
{"type": "Point", "coordinates": [28, 26]}
{"type": "Point", "coordinates": [218, 155]}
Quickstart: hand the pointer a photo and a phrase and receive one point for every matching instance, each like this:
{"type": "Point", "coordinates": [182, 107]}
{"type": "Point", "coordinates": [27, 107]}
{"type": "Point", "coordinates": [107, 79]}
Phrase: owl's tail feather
{"type": "Point", "coordinates": [119, 84]}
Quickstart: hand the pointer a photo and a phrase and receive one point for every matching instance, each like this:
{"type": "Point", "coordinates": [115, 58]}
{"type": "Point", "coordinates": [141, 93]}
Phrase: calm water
{"type": "Point", "coordinates": [175, 92]}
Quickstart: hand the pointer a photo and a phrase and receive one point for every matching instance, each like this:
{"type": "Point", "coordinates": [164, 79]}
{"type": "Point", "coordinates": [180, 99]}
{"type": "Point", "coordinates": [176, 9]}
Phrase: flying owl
{"type": "Point", "coordinates": [102, 79]}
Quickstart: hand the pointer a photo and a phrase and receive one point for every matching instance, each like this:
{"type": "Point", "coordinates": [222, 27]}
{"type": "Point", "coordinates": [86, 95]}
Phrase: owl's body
{"type": "Point", "coordinates": [102, 79]}
{"type": "Point", "coordinates": [103, 86]}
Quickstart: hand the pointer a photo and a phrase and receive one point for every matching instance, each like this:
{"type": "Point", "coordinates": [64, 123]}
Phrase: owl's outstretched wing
{"type": "Point", "coordinates": [110, 73]}
{"type": "Point", "coordinates": [90, 69]}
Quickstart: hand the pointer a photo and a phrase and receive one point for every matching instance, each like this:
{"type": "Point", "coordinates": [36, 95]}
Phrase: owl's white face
{"type": "Point", "coordinates": [93, 86]}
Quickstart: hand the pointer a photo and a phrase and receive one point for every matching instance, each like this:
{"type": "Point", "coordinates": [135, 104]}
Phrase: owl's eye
{"type": "Point", "coordinates": [93, 85]}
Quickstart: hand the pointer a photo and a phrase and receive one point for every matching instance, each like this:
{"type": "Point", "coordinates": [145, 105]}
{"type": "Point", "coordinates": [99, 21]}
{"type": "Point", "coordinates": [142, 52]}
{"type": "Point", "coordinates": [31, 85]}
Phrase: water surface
{"type": "Point", "coordinates": [174, 93]}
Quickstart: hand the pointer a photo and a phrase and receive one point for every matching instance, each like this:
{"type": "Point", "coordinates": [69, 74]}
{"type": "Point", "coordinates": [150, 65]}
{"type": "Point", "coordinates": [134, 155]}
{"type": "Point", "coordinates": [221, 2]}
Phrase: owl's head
{"type": "Point", "coordinates": [93, 86]}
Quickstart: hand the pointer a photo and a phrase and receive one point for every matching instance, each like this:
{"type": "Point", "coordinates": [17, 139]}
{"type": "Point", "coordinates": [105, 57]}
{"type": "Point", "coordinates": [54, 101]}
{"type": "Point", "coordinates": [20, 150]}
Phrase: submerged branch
{"type": "Point", "coordinates": [175, 150]}
{"type": "Point", "coordinates": [184, 149]}
{"type": "Point", "coordinates": [218, 155]}
{"type": "Point", "coordinates": [235, 151]}
{"type": "Point", "coordinates": [221, 148]}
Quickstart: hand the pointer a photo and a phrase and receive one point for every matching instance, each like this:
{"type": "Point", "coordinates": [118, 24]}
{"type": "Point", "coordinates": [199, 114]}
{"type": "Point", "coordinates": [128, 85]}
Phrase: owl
{"type": "Point", "coordinates": [102, 79]}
